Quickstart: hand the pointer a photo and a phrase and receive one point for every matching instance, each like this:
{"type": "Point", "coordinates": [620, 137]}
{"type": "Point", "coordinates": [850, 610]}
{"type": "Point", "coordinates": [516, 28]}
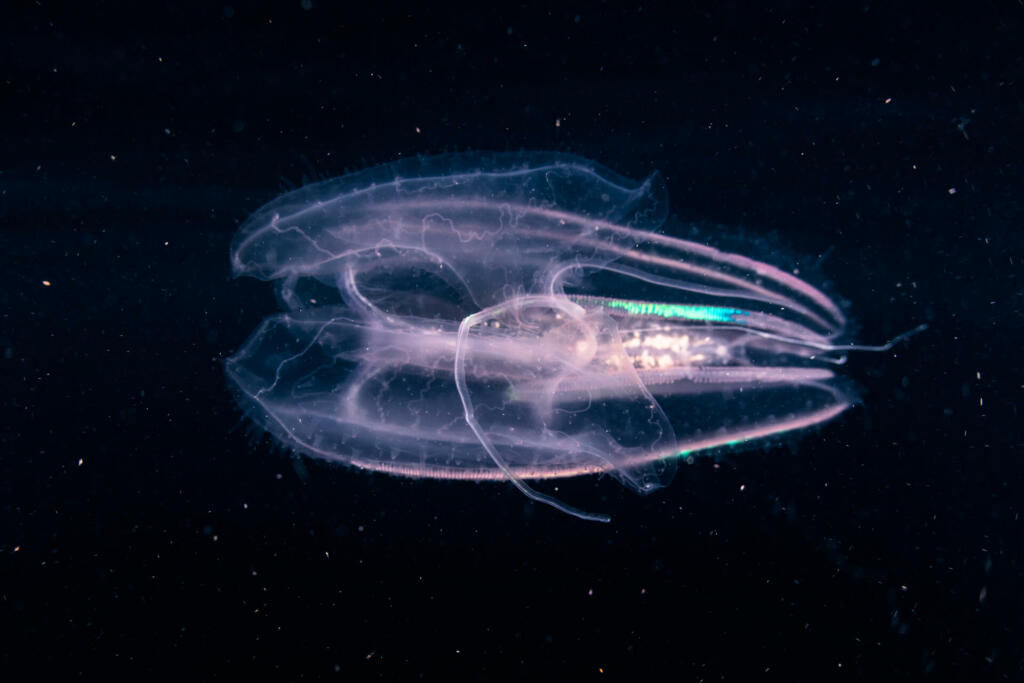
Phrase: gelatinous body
{"type": "Point", "coordinates": [517, 317]}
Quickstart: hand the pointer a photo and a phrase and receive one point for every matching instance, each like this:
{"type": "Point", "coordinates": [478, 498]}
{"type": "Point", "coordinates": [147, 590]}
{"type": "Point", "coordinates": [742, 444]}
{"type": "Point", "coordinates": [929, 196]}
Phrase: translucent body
{"type": "Point", "coordinates": [517, 317]}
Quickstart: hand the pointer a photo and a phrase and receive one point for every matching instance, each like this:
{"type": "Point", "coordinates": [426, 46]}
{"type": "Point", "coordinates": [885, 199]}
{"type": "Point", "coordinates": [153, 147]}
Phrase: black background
{"type": "Point", "coordinates": [145, 531]}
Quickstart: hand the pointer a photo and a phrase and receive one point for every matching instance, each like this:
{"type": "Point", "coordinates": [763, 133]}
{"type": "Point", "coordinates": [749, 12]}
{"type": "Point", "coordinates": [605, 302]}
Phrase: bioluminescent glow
{"type": "Point", "coordinates": [516, 317]}
{"type": "Point", "coordinates": [708, 313]}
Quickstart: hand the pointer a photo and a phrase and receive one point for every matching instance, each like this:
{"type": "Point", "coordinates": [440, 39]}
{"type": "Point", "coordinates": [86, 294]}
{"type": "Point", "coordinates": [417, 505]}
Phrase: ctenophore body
{"type": "Point", "coordinates": [519, 317]}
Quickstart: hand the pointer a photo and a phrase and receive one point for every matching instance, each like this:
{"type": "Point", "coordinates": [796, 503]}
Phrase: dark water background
{"type": "Point", "coordinates": [144, 531]}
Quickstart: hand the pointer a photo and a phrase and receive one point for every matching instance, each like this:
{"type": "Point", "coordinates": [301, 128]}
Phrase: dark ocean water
{"type": "Point", "coordinates": [147, 530]}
